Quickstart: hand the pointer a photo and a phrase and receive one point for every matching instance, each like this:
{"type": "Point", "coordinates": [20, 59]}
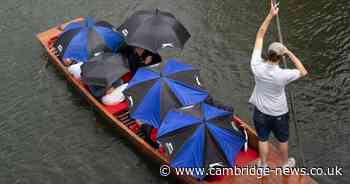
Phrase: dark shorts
{"type": "Point", "coordinates": [264, 124]}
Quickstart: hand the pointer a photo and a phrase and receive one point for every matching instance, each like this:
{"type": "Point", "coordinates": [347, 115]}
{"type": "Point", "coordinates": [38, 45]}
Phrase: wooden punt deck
{"type": "Point", "coordinates": [122, 122]}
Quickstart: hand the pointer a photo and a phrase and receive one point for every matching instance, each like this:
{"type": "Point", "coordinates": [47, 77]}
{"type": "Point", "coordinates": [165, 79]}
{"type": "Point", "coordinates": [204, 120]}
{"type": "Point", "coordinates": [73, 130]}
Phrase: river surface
{"type": "Point", "coordinates": [48, 134]}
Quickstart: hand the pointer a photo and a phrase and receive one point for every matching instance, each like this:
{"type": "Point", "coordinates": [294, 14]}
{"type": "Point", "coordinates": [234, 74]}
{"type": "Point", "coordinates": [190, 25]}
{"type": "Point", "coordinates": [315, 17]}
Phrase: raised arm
{"type": "Point", "coordinates": [297, 63]}
{"type": "Point", "coordinates": [265, 25]}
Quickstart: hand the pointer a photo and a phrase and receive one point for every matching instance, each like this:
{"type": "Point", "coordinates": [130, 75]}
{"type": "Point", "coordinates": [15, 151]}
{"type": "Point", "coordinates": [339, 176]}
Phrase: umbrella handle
{"type": "Point", "coordinates": [242, 125]}
{"type": "Point", "coordinates": [131, 101]}
{"type": "Point", "coordinates": [198, 82]}
{"type": "Point", "coordinates": [246, 138]}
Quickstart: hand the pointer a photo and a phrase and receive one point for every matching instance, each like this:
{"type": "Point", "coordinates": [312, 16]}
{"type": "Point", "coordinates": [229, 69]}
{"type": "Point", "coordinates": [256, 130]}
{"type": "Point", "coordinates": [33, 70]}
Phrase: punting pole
{"type": "Point", "coordinates": [290, 96]}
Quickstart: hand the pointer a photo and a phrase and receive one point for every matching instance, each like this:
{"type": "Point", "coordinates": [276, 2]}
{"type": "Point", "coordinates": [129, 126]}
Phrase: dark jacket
{"type": "Point", "coordinates": [135, 61]}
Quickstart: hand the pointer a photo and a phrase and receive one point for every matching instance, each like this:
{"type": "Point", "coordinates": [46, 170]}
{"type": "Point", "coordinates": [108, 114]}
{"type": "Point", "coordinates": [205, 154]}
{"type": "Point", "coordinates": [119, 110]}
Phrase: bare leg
{"type": "Point", "coordinates": [263, 151]}
{"type": "Point", "coordinates": [283, 148]}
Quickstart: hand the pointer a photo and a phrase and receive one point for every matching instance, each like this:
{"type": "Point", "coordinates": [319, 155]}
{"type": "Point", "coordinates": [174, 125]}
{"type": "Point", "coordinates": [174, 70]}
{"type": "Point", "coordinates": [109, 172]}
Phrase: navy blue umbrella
{"type": "Point", "coordinates": [201, 136]}
{"type": "Point", "coordinates": [81, 40]}
{"type": "Point", "coordinates": [156, 89]}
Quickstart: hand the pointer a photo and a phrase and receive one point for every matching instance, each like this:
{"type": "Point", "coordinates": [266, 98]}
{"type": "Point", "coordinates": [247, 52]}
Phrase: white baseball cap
{"type": "Point", "coordinates": [276, 48]}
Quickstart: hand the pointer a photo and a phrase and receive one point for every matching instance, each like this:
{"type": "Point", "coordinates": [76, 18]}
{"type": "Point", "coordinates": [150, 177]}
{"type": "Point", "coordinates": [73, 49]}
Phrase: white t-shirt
{"type": "Point", "coordinates": [269, 94]}
{"type": "Point", "coordinates": [116, 96]}
{"type": "Point", "coordinates": [75, 70]}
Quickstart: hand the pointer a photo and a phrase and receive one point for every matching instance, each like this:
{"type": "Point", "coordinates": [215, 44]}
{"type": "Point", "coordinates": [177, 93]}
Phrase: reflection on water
{"type": "Point", "coordinates": [48, 134]}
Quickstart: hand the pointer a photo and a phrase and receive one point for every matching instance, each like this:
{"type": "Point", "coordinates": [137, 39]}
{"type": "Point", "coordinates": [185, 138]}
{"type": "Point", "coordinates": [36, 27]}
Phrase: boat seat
{"type": "Point", "coordinates": [245, 157]}
{"type": "Point", "coordinates": [52, 41]}
{"type": "Point", "coordinates": [129, 122]}
{"type": "Point", "coordinates": [153, 135]}
{"type": "Point", "coordinates": [126, 77]}
{"type": "Point", "coordinates": [135, 127]}
{"type": "Point", "coordinates": [161, 150]}
{"type": "Point", "coordinates": [118, 108]}
{"type": "Point", "coordinates": [113, 109]}
{"type": "Point", "coordinates": [214, 178]}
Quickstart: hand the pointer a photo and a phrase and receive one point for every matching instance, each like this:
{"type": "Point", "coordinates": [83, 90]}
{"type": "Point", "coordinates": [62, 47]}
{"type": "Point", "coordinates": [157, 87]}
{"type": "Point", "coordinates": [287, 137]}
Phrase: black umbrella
{"type": "Point", "coordinates": [153, 30]}
{"type": "Point", "coordinates": [104, 69]}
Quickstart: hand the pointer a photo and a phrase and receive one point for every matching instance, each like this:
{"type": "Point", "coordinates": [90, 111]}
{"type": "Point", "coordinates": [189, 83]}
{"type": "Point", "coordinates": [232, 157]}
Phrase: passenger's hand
{"type": "Point", "coordinates": [274, 9]}
{"type": "Point", "coordinates": [148, 60]}
{"type": "Point", "coordinates": [67, 62]}
{"type": "Point", "coordinates": [53, 50]}
{"type": "Point", "coordinates": [61, 27]}
{"type": "Point", "coordinates": [110, 90]}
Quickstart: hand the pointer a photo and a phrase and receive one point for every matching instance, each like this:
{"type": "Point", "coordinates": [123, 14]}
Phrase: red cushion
{"type": "Point", "coordinates": [135, 127]}
{"type": "Point", "coordinates": [214, 178]}
{"type": "Point", "coordinates": [243, 158]}
{"type": "Point", "coordinates": [114, 109]}
{"type": "Point", "coordinates": [85, 86]}
{"type": "Point", "coordinates": [161, 150]}
{"type": "Point", "coordinates": [126, 77]}
{"type": "Point", "coordinates": [153, 135]}
{"type": "Point", "coordinates": [52, 40]}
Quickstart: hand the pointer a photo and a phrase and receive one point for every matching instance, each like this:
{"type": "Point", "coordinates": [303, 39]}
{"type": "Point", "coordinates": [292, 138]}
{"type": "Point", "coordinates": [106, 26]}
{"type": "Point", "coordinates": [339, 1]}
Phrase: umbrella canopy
{"type": "Point", "coordinates": [81, 40]}
{"type": "Point", "coordinates": [156, 89]}
{"type": "Point", "coordinates": [153, 30]}
{"type": "Point", "coordinates": [201, 136]}
{"type": "Point", "coordinates": [103, 70]}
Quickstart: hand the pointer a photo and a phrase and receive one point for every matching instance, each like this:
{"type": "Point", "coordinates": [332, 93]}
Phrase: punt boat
{"type": "Point", "coordinates": [119, 117]}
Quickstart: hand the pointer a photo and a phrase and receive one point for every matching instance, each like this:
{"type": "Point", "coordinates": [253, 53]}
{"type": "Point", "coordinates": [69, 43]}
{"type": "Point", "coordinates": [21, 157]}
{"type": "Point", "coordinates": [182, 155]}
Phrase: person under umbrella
{"type": "Point", "coordinates": [200, 136]}
{"type": "Point", "coordinates": [102, 74]}
{"type": "Point", "coordinates": [156, 89]}
{"type": "Point", "coordinates": [82, 40]}
{"type": "Point", "coordinates": [154, 30]}
{"type": "Point", "coordinates": [139, 57]}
